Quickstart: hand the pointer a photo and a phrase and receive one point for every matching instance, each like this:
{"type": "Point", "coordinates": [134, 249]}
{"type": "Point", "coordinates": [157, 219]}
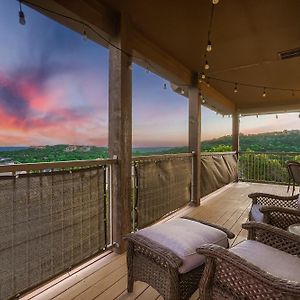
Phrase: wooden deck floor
{"type": "Point", "coordinates": [106, 278]}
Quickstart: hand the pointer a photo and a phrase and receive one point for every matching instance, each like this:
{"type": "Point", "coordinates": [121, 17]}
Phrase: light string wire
{"type": "Point", "coordinates": [85, 25]}
{"type": "Point", "coordinates": [235, 83]}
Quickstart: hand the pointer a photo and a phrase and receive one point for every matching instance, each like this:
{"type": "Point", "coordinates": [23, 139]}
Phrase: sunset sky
{"type": "Point", "coordinates": [54, 89]}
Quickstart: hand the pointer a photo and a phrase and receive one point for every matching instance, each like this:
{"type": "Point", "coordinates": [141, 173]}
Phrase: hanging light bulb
{"type": "Point", "coordinates": [264, 93]}
{"type": "Point", "coordinates": [22, 20]}
{"type": "Point", "coordinates": [203, 76]}
{"type": "Point", "coordinates": [165, 86]}
{"type": "Point", "coordinates": [84, 35]}
{"type": "Point", "coordinates": [235, 88]}
{"type": "Point", "coordinates": [215, 1]}
{"type": "Point", "coordinates": [206, 66]}
{"type": "Point", "coordinates": [208, 47]}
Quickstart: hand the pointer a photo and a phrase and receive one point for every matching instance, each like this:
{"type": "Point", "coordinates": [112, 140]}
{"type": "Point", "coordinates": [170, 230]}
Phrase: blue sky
{"type": "Point", "coordinates": [54, 89]}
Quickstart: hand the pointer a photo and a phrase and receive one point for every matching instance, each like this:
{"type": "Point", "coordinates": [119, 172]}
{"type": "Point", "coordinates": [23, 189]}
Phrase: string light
{"type": "Point", "coordinates": [84, 35]}
{"type": "Point", "coordinates": [203, 76]}
{"type": "Point", "coordinates": [235, 88]}
{"type": "Point", "coordinates": [215, 2]}
{"type": "Point", "coordinates": [264, 93]}
{"type": "Point", "coordinates": [22, 20]}
{"type": "Point", "coordinates": [206, 66]}
{"type": "Point", "coordinates": [208, 47]}
{"type": "Point", "coordinates": [254, 86]}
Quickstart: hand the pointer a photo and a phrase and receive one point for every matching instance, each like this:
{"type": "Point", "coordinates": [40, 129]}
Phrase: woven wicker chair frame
{"type": "Point", "coordinates": [228, 276]}
{"type": "Point", "coordinates": [149, 262]}
{"type": "Point", "coordinates": [278, 211]}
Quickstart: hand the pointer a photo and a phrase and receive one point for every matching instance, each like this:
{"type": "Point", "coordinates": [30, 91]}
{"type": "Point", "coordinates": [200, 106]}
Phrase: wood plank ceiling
{"type": "Point", "coordinates": [246, 38]}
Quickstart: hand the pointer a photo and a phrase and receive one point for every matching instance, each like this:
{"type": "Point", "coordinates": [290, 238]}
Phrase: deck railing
{"type": "Point", "coordinates": [53, 216]}
{"type": "Point", "coordinates": [265, 167]}
{"type": "Point", "coordinates": [163, 183]}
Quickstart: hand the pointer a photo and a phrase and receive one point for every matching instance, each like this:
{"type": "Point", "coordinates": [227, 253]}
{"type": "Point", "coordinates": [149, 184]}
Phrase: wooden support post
{"type": "Point", "coordinates": [120, 132]}
{"type": "Point", "coordinates": [195, 137]}
{"type": "Point", "coordinates": [236, 136]}
{"type": "Point", "coordinates": [235, 132]}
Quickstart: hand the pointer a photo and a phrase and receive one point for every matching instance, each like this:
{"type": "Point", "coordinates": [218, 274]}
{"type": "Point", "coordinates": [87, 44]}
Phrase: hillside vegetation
{"type": "Point", "coordinates": [283, 141]}
{"type": "Point", "coordinates": [286, 141]}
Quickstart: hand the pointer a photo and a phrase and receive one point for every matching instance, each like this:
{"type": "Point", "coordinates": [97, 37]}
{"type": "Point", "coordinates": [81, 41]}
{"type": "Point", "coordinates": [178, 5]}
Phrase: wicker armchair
{"type": "Point", "coordinates": [149, 262]}
{"type": "Point", "coordinates": [275, 210]}
{"type": "Point", "coordinates": [293, 168]}
{"type": "Point", "coordinates": [230, 276]}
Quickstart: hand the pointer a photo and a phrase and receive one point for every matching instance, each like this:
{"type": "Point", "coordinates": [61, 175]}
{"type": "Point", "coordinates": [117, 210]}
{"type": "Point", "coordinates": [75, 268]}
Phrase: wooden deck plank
{"type": "Point", "coordinates": [94, 278]}
{"type": "Point", "coordinates": [101, 286]}
{"type": "Point", "coordinates": [108, 279]}
{"type": "Point", "coordinates": [149, 294]}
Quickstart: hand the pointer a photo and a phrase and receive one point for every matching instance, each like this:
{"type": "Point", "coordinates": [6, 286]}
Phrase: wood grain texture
{"type": "Point", "coordinates": [195, 138]}
{"type": "Point", "coordinates": [120, 131]}
{"type": "Point", "coordinates": [235, 132]}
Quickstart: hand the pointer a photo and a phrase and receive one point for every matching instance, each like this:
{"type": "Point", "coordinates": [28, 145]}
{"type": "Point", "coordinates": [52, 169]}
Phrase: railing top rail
{"type": "Point", "coordinates": [218, 153]}
{"type": "Point", "coordinates": [55, 165]}
{"type": "Point", "coordinates": [161, 157]}
{"type": "Point", "coordinates": [273, 153]}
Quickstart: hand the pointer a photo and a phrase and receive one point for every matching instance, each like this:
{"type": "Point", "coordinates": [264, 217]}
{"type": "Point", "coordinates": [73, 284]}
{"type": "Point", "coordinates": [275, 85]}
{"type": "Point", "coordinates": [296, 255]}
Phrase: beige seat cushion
{"type": "Point", "coordinates": [278, 263]}
{"type": "Point", "coordinates": [183, 237]}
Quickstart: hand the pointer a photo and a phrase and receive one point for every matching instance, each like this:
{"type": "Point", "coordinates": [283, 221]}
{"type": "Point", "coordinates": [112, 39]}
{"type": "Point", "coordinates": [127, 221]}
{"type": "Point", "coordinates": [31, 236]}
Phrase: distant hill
{"type": "Point", "coordinates": [284, 141]}
{"type": "Point", "coordinates": [12, 148]}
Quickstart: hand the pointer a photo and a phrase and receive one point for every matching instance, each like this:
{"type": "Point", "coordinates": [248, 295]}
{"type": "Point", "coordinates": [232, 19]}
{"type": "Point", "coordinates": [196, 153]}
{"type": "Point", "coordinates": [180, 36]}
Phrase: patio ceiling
{"type": "Point", "coordinates": [246, 38]}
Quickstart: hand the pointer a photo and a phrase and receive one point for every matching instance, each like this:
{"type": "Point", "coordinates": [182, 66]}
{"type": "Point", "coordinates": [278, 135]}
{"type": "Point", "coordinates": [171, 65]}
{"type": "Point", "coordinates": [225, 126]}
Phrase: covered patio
{"type": "Point", "coordinates": [235, 57]}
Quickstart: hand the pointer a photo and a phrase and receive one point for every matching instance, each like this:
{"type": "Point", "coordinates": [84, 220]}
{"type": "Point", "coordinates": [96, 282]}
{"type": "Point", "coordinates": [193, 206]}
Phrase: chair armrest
{"type": "Point", "coordinates": [273, 236]}
{"type": "Point", "coordinates": [154, 250]}
{"type": "Point", "coordinates": [290, 211]}
{"type": "Point", "coordinates": [271, 200]}
{"type": "Point", "coordinates": [229, 233]}
{"type": "Point", "coordinates": [236, 263]}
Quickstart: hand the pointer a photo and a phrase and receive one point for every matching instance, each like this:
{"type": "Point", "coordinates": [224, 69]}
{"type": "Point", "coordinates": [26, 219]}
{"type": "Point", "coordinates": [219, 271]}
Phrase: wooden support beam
{"type": "Point", "coordinates": [100, 17]}
{"type": "Point", "coordinates": [216, 100]}
{"type": "Point", "coordinates": [271, 109]}
{"type": "Point", "coordinates": [195, 137]}
{"type": "Point", "coordinates": [163, 63]}
{"type": "Point", "coordinates": [120, 132]}
{"type": "Point", "coordinates": [235, 132]}
{"type": "Point", "coordinates": [93, 12]}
